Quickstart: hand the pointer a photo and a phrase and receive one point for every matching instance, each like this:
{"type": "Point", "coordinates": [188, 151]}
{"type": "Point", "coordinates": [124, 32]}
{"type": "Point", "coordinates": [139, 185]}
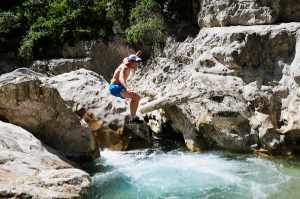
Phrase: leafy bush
{"type": "Point", "coordinates": [64, 21]}
{"type": "Point", "coordinates": [149, 31]}
{"type": "Point", "coordinates": [8, 21]}
{"type": "Point", "coordinates": [46, 24]}
{"type": "Point", "coordinates": [119, 10]}
{"type": "Point", "coordinates": [147, 23]}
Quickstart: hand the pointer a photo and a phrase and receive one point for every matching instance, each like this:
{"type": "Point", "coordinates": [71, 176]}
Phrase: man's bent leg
{"type": "Point", "coordinates": [134, 102]}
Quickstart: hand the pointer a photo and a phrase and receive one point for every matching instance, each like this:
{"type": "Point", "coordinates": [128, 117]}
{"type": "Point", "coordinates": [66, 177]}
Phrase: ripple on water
{"type": "Point", "coordinates": [184, 175]}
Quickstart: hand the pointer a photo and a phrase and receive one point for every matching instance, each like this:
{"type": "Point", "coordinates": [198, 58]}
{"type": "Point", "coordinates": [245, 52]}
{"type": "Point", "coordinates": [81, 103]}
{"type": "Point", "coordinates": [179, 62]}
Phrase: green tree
{"type": "Point", "coordinates": [40, 25]}
{"type": "Point", "coordinates": [63, 21]}
{"type": "Point", "coordinates": [146, 22]}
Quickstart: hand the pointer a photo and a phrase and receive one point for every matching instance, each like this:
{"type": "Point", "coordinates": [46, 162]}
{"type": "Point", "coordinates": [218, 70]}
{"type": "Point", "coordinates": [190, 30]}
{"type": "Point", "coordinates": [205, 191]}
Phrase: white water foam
{"type": "Point", "coordinates": [140, 174]}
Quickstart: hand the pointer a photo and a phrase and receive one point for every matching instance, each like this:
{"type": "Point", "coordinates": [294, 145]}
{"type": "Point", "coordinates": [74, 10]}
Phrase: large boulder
{"type": "Point", "coordinates": [28, 169]}
{"type": "Point", "coordinates": [59, 66]}
{"type": "Point", "coordinates": [181, 122]}
{"type": "Point", "coordinates": [225, 124]}
{"type": "Point", "coordinates": [84, 89]}
{"type": "Point", "coordinates": [37, 107]}
{"type": "Point", "coordinates": [290, 113]}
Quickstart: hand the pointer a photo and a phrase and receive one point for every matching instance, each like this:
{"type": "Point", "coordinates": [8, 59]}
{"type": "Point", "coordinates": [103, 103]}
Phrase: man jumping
{"type": "Point", "coordinates": [118, 86]}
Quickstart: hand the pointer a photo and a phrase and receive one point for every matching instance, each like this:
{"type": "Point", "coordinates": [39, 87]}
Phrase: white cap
{"type": "Point", "coordinates": [135, 58]}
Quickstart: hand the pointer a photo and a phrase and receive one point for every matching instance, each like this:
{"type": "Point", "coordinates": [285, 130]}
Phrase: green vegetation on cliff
{"type": "Point", "coordinates": [38, 27]}
{"type": "Point", "coordinates": [146, 23]}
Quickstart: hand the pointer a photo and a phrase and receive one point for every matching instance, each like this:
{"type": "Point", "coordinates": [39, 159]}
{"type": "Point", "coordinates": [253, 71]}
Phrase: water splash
{"type": "Point", "coordinates": [184, 175]}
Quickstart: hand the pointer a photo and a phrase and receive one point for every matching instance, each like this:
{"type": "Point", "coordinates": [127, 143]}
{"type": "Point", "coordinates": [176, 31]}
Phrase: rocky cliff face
{"type": "Point", "coordinates": [27, 102]}
{"type": "Point", "coordinates": [247, 12]}
{"type": "Point", "coordinates": [241, 80]}
{"type": "Point", "coordinates": [236, 81]}
{"type": "Point", "coordinates": [234, 86]}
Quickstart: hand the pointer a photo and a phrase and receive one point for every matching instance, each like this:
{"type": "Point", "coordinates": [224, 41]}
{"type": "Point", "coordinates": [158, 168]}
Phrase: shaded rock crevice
{"type": "Point", "coordinates": [289, 10]}
{"type": "Point", "coordinates": [164, 135]}
{"type": "Point", "coordinates": [183, 124]}
{"type": "Point", "coordinates": [292, 141]}
{"type": "Point", "coordinates": [168, 138]}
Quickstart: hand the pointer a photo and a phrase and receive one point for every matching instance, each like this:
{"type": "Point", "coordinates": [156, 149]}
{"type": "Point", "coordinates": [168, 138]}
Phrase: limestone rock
{"type": "Point", "coordinates": [238, 12]}
{"type": "Point", "coordinates": [59, 66]}
{"type": "Point", "coordinates": [37, 107]}
{"type": "Point", "coordinates": [216, 13]}
{"type": "Point", "coordinates": [295, 67]}
{"type": "Point", "coordinates": [265, 100]}
{"type": "Point", "coordinates": [222, 120]}
{"type": "Point", "coordinates": [290, 113]}
{"type": "Point", "coordinates": [255, 53]}
{"type": "Point", "coordinates": [29, 169]}
{"type": "Point", "coordinates": [230, 131]}
{"type": "Point", "coordinates": [269, 137]}
{"type": "Point", "coordinates": [182, 123]}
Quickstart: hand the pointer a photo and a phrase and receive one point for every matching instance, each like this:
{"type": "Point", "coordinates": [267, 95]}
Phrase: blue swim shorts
{"type": "Point", "coordinates": [116, 89]}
